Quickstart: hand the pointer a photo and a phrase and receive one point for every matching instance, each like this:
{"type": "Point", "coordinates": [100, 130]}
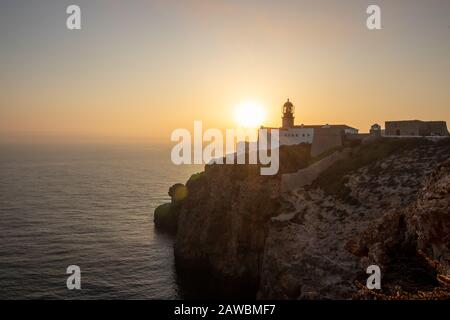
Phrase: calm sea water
{"type": "Point", "coordinates": [90, 206]}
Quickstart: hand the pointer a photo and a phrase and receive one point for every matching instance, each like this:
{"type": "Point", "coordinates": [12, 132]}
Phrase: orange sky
{"type": "Point", "coordinates": [140, 69]}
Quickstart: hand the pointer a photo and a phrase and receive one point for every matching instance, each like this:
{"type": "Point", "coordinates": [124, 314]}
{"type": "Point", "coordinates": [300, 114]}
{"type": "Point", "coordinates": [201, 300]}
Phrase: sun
{"type": "Point", "coordinates": [249, 114]}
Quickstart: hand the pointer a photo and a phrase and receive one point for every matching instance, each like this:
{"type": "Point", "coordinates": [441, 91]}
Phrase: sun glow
{"type": "Point", "coordinates": [249, 114]}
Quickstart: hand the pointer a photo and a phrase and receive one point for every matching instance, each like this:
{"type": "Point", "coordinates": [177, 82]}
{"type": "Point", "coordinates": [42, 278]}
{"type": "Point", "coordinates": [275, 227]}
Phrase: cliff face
{"type": "Point", "coordinates": [222, 224]}
{"type": "Point", "coordinates": [313, 253]}
{"type": "Point", "coordinates": [429, 218]}
{"type": "Point", "coordinates": [166, 215]}
{"type": "Point", "coordinates": [412, 244]}
{"type": "Point", "coordinates": [317, 240]}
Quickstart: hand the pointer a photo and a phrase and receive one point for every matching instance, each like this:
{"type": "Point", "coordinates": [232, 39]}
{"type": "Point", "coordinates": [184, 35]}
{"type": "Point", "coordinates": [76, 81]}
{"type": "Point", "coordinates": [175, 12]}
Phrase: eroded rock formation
{"type": "Point", "coordinates": [222, 225]}
{"type": "Point", "coordinates": [382, 205]}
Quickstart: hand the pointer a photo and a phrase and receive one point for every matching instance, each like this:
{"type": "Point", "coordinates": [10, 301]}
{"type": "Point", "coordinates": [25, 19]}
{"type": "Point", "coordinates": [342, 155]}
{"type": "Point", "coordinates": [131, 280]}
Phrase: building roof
{"type": "Point", "coordinates": [415, 121]}
{"type": "Point", "coordinates": [404, 121]}
{"type": "Point", "coordinates": [319, 126]}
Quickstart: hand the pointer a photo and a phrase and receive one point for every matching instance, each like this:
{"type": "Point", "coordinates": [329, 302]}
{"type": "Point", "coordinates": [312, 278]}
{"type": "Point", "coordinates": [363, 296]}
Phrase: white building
{"type": "Point", "coordinates": [290, 134]}
{"type": "Point", "coordinates": [296, 135]}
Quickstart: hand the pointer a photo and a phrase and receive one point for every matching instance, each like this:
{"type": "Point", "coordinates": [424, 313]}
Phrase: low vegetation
{"type": "Point", "coordinates": [333, 179]}
{"type": "Point", "coordinates": [294, 158]}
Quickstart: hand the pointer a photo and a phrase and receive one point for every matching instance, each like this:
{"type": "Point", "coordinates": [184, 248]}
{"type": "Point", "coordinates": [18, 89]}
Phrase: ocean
{"type": "Point", "coordinates": [90, 206]}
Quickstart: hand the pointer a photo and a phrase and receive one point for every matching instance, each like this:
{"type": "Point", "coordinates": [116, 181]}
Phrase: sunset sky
{"type": "Point", "coordinates": [140, 69]}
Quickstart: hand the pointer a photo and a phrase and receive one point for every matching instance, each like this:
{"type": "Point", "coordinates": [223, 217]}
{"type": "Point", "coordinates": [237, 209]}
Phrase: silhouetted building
{"type": "Point", "coordinates": [288, 115]}
{"type": "Point", "coordinates": [375, 130]}
{"type": "Point", "coordinates": [322, 137]}
{"type": "Point", "coordinates": [416, 128]}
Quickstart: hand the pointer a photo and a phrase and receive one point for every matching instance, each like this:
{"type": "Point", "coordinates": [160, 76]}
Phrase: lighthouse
{"type": "Point", "coordinates": [321, 137]}
{"type": "Point", "coordinates": [288, 115]}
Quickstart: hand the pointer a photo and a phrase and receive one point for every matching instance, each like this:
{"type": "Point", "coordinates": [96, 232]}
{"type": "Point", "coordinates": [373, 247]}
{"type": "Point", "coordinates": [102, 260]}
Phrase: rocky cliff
{"type": "Point", "coordinates": [412, 243]}
{"type": "Point", "coordinates": [386, 202]}
{"type": "Point", "coordinates": [315, 253]}
{"type": "Point", "coordinates": [222, 225]}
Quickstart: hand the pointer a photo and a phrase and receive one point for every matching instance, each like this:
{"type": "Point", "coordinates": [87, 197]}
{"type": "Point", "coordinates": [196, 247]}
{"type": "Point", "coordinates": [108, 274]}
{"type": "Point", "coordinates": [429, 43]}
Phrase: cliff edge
{"type": "Point", "coordinates": [385, 202]}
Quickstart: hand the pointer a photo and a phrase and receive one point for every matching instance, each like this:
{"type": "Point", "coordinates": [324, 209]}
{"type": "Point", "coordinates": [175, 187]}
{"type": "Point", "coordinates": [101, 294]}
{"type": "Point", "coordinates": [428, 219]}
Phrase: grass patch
{"type": "Point", "coordinates": [294, 158]}
{"type": "Point", "coordinates": [333, 179]}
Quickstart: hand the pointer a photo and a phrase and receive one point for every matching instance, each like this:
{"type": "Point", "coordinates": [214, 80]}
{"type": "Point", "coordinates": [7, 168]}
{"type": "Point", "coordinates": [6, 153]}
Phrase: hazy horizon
{"type": "Point", "coordinates": [140, 69]}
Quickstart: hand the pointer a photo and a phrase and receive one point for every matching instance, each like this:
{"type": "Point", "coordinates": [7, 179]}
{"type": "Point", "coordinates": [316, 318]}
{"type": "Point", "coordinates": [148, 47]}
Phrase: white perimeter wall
{"type": "Point", "coordinates": [294, 136]}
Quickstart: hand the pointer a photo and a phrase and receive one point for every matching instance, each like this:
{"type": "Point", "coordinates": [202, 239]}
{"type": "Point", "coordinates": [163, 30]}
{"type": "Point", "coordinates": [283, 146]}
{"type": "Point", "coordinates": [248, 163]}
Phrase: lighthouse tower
{"type": "Point", "coordinates": [288, 115]}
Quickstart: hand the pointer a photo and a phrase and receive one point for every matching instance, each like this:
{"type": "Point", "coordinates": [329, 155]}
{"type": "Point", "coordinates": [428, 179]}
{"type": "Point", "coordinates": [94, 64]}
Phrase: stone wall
{"type": "Point", "coordinates": [437, 128]}
{"type": "Point", "coordinates": [326, 139]}
{"type": "Point", "coordinates": [303, 177]}
{"type": "Point", "coordinates": [416, 128]}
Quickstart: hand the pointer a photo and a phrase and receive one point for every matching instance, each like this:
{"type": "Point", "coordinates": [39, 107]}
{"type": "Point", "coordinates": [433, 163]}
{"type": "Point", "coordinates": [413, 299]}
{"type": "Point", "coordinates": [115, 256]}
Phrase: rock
{"type": "Point", "coordinates": [166, 215]}
{"type": "Point", "coordinates": [329, 242]}
{"type": "Point", "coordinates": [415, 238]}
{"type": "Point", "coordinates": [178, 192]}
{"type": "Point", "coordinates": [166, 218]}
{"type": "Point", "coordinates": [429, 218]}
{"type": "Point", "coordinates": [222, 224]}
{"type": "Point", "coordinates": [315, 242]}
